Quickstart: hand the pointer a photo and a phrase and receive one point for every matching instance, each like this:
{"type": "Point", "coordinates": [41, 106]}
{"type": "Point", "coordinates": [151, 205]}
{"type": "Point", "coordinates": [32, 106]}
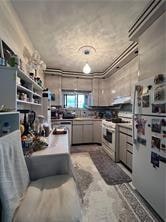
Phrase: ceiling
{"type": "Point", "coordinates": [58, 29]}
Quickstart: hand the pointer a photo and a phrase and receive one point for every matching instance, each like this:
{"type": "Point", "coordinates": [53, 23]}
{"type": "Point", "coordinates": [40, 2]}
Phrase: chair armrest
{"type": "Point", "coordinates": [48, 165]}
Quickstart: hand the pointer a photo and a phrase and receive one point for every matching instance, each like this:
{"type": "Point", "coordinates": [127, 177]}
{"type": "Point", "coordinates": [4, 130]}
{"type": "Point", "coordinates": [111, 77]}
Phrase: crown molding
{"type": "Point", "coordinates": [149, 15]}
{"type": "Point", "coordinates": [130, 53]}
{"type": "Point", "coordinates": [120, 61]}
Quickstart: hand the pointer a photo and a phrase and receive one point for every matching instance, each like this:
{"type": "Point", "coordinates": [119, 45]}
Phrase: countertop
{"type": "Point", "coordinates": [125, 125]}
{"type": "Point", "coordinates": [78, 119]}
{"type": "Point", "coordinates": [57, 144]}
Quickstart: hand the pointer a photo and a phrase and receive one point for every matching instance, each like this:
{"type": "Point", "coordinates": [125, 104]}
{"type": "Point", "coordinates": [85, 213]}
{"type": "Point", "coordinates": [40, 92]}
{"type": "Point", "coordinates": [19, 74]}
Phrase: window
{"type": "Point", "coordinates": [75, 99]}
{"type": "Point", "coordinates": [70, 101]}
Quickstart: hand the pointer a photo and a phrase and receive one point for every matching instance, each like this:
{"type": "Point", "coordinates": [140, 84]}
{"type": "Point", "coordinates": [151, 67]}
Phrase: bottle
{"type": "Point", "coordinates": [5, 128]}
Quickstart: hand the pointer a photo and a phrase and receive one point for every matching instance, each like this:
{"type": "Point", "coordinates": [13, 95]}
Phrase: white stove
{"type": "Point", "coordinates": [110, 135]}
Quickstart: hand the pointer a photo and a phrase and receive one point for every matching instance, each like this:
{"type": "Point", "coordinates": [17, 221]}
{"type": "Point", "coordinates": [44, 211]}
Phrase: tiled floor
{"type": "Point", "coordinates": [104, 203]}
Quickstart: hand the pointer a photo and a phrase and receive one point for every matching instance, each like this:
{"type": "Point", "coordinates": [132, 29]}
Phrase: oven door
{"type": "Point", "coordinates": [108, 135]}
{"type": "Point", "coordinates": [108, 142]}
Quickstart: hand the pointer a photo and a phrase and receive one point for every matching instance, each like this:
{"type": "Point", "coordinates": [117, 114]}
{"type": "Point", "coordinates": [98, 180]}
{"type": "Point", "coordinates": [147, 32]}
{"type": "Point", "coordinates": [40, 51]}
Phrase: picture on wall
{"type": "Point", "coordinates": [145, 101]}
{"type": "Point", "coordinates": [156, 142]}
{"type": "Point", "coordinates": [156, 125]}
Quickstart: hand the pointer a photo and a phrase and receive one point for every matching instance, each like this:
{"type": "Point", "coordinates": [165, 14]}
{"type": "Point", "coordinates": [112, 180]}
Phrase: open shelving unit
{"type": "Point", "coordinates": [11, 90]}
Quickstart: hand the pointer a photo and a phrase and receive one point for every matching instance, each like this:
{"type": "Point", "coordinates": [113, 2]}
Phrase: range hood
{"type": "Point", "coordinates": [121, 100]}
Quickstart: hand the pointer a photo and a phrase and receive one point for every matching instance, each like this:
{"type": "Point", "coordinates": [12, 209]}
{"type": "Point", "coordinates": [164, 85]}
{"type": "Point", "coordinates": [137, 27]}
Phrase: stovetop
{"type": "Point", "coordinates": [117, 121]}
{"type": "Point", "coordinates": [113, 123]}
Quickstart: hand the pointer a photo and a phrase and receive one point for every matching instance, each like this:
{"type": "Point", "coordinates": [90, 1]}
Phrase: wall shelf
{"type": "Point", "coordinates": [24, 89]}
{"type": "Point", "coordinates": [26, 102]}
{"type": "Point", "coordinates": [36, 94]}
{"type": "Point", "coordinates": [27, 88]}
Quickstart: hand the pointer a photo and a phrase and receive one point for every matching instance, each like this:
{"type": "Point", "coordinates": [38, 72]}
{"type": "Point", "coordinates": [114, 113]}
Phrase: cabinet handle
{"type": "Point", "coordinates": [129, 143]}
{"type": "Point", "coordinates": [129, 151]}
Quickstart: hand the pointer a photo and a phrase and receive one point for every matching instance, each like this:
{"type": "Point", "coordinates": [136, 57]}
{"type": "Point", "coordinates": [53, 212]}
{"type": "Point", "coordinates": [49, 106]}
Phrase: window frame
{"type": "Point", "coordinates": [76, 93]}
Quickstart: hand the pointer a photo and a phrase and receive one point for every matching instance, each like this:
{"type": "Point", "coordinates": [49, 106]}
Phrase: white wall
{"type": "Point", "coordinates": [152, 49]}
{"type": "Point", "coordinates": [13, 33]}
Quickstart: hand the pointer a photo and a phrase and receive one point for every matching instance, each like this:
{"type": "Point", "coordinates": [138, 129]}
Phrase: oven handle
{"type": "Point", "coordinates": [109, 130]}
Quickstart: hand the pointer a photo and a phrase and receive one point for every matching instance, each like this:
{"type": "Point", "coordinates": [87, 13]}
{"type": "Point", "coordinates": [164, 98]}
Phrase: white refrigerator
{"type": "Point", "coordinates": [149, 139]}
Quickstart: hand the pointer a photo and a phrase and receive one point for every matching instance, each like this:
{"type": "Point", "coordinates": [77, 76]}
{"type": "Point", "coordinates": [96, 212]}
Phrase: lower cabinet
{"type": "Point", "coordinates": [97, 131]}
{"type": "Point", "coordinates": [77, 132]}
{"type": "Point", "coordinates": [129, 157]}
{"type": "Point", "coordinates": [125, 147]}
{"type": "Point", "coordinates": [82, 132]}
{"type": "Point", "coordinates": [122, 147]}
{"type": "Point", "coordinates": [86, 132]}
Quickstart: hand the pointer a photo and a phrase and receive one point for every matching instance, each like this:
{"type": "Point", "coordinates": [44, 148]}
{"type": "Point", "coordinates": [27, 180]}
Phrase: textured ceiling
{"type": "Point", "coordinates": [58, 29]}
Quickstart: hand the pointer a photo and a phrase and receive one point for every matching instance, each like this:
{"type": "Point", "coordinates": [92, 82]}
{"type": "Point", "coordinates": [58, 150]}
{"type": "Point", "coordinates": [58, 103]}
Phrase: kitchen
{"type": "Point", "coordinates": [97, 70]}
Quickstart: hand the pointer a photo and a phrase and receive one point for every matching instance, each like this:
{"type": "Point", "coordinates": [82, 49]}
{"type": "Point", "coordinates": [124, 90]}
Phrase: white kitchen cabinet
{"type": "Point", "coordinates": [129, 157]}
{"type": "Point", "coordinates": [95, 97]}
{"type": "Point", "coordinates": [122, 147]}
{"type": "Point", "coordinates": [125, 146]}
{"type": "Point", "coordinates": [95, 92]}
{"type": "Point", "coordinates": [87, 133]}
{"type": "Point", "coordinates": [53, 83]}
{"type": "Point", "coordinates": [84, 84]}
{"type": "Point", "coordinates": [97, 131]}
{"type": "Point", "coordinates": [69, 83]}
{"type": "Point", "coordinates": [77, 134]}
{"type": "Point", "coordinates": [82, 131]}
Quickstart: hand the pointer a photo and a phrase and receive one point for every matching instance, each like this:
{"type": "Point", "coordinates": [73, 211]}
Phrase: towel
{"type": "Point", "coordinates": [14, 176]}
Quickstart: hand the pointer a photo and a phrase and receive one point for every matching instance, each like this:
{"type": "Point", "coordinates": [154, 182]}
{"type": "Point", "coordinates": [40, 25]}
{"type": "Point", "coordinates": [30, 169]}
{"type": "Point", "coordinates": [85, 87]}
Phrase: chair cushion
{"type": "Point", "coordinates": [50, 199]}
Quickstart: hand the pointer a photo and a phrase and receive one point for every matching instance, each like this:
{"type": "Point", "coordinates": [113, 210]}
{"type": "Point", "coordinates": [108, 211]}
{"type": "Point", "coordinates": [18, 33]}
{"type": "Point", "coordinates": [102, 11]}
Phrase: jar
{"type": "Point", "coordinates": [31, 75]}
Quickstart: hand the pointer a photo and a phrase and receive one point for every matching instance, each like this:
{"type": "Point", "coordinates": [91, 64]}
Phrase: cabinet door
{"type": "Point", "coordinates": [77, 134]}
{"type": "Point", "coordinates": [97, 132]}
{"type": "Point", "coordinates": [122, 147]}
{"type": "Point", "coordinates": [88, 133]}
{"type": "Point", "coordinates": [129, 157]}
{"type": "Point", "coordinates": [95, 98]}
{"type": "Point", "coordinates": [84, 84]}
{"type": "Point", "coordinates": [69, 83]}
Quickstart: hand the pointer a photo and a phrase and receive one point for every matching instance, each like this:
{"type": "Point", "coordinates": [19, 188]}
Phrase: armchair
{"type": "Point", "coordinates": [40, 189]}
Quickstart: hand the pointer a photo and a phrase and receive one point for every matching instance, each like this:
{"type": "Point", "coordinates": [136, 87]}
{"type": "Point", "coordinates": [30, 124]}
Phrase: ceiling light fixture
{"type": "Point", "coordinates": [86, 69]}
{"type": "Point", "coordinates": [87, 50]}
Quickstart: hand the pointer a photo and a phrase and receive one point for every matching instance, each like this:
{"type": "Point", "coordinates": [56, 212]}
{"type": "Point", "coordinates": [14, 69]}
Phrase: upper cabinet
{"type": "Point", "coordinates": [95, 92]}
{"type": "Point", "coordinates": [69, 83]}
{"type": "Point", "coordinates": [121, 83]}
{"type": "Point", "coordinates": [84, 84]}
{"type": "Point", "coordinates": [53, 83]}
{"type": "Point", "coordinates": [104, 92]}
